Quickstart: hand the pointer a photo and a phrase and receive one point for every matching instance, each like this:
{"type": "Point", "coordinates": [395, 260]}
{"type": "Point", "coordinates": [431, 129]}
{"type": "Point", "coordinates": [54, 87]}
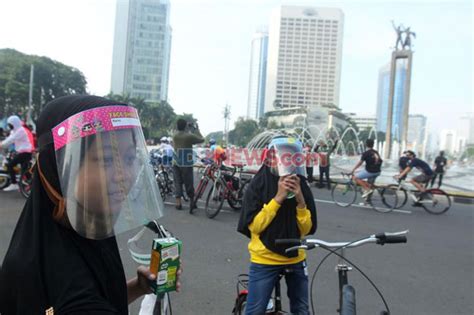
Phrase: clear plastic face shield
{"type": "Point", "coordinates": [286, 157]}
{"type": "Point", "coordinates": [104, 172]}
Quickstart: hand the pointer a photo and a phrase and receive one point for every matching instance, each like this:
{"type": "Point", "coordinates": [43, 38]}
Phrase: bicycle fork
{"type": "Point", "coordinates": [342, 269]}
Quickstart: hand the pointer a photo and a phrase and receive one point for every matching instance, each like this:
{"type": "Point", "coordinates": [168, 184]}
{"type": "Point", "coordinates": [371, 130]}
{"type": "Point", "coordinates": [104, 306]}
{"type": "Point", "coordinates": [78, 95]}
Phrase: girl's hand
{"type": "Point", "coordinates": [283, 189]}
{"type": "Point", "coordinates": [294, 183]}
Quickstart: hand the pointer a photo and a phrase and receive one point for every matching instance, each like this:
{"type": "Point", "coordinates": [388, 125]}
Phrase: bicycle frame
{"type": "Point", "coordinates": [343, 267]}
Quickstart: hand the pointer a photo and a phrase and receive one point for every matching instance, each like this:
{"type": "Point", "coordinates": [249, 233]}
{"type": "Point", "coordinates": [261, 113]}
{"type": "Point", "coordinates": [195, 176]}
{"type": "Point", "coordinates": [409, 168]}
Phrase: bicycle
{"type": "Point", "coordinates": [274, 304]}
{"type": "Point", "coordinates": [226, 187]}
{"type": "Point", "coordinates": [347, 300]}
{"type": "Point", "coordinates": [434, 201]}
{"type": "Point", "coordinates": [163, 174]}
{"type": "Point", "coordinates": [207, 175]}
{"type": "Point", "coordinates": [24, 175]}
{"type": "Point", "coordinates": [344, 194]}
{"type": "Point", "coordinates": [162, 304]}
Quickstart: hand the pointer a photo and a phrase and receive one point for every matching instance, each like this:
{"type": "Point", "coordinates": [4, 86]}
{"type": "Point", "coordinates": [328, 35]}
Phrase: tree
{"type": "Point", "coordinates": [244, 130]}
{"type": "Point", "coordinates": [51, 79]}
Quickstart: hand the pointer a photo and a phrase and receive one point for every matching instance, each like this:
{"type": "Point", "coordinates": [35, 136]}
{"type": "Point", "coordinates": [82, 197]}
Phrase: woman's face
{"type": "Point", "coordinates": [108, 171]}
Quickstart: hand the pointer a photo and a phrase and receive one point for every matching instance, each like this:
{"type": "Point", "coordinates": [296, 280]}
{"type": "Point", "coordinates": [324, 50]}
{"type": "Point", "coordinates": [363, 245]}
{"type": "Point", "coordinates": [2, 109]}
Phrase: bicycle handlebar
{"type": "Point", "coordinates": [380, 239]}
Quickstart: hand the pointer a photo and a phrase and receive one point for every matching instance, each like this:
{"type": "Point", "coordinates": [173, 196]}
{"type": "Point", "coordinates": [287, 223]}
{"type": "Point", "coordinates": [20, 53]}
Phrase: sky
{"type": "Point", "coordinates": [210, 55]}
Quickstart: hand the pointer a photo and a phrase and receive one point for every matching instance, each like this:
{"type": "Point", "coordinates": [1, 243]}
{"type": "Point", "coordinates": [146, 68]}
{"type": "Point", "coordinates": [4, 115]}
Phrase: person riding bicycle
{"type": "Point", "coordinates": [278, 204]}
{"type": "Point", "coordinates": [373, 163]}
{"type": "Point", "coordinates": [91, 182]}
{"type": "Point", "coordinates": [218, 152]}
{"type": "Point", "coordinates": [24, 147]}
{"type": "Point", "coordinates": [418, 181]}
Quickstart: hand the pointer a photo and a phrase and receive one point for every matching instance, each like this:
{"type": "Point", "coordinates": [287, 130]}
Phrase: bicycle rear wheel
{"type": "Point", "coordinates": [240, 305]}
{"type": "Point", "coordinates": [215, 200]}
{"type": "Point", "coordinates": [435, 201]}
{"type": "Point", "coordinates": [402, 195]}
{"type": "Point", "coordinates": [383, 200]}
{"type": "Point", "coordinates": [344, 194]}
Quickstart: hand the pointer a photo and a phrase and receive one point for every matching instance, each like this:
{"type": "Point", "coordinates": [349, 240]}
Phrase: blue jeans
{"type": "Point", "coordinates": [262, 279]}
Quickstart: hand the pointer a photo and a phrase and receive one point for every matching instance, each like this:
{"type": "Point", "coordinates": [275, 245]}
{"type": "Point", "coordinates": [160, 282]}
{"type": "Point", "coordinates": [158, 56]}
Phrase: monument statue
{"type": "Point", "coordinates": [407, 42]}
{"type": "Point", "coordinates": [399, 30]}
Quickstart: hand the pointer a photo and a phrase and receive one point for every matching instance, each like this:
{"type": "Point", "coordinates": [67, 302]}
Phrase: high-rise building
{"type": "Point", "coordinates": [383, 95]}
{"type": "Point", "coordinates": [258, 73]}
{"type": "Point", "coordinates": [304, 57]}
{"type": "Point", "coordinates": [417, 133]}
{"type": "Point", "coordinates": [142, 46]}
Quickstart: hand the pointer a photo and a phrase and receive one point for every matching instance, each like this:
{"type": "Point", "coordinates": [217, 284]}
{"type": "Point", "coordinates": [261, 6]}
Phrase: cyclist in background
{"type": "Point", "coordinates": [426, 172]}
{"type": "Point", "coordinates": [373, 164]}
{"type": "Point", "coordinates": [167, 152]}
{"type": "Point", "coordinates": [218, 152]}
{"type": "Point", "coordinates": [24, 147]}
{"type": "Point", "coordinates": [439, 168]}
{"type": "Point", "coordinates": [269, 213]}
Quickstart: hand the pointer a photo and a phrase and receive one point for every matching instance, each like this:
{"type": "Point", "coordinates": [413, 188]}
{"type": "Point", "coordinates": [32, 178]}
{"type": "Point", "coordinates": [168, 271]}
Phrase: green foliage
{"type": "Point", "coordinates": [51, 79]}
{"type": "Point", "coordinates": [243, 132]}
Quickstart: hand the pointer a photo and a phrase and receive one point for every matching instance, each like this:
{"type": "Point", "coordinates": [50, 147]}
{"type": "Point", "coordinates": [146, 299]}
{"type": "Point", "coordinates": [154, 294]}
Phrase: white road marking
{"type": "Point", "coordinates": [362, 206]}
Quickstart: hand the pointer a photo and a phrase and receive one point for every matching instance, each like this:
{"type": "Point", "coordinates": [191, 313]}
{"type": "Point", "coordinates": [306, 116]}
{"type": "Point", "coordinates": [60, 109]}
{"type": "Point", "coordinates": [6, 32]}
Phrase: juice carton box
{"type": "Point", "coordinates": [165, 263]}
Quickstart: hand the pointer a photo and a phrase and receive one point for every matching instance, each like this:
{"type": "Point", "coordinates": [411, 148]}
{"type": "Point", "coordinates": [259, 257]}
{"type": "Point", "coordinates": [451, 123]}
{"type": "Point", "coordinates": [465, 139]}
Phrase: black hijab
{"type": "Point", "coordinates": [50, 265]}
{"type": "Point", "coordinates": [263, 188]}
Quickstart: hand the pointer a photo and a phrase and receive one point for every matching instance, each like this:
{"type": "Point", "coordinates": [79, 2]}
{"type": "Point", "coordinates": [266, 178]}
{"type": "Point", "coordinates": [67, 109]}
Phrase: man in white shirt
{"type": "Point", "coordinates": [23, 147]}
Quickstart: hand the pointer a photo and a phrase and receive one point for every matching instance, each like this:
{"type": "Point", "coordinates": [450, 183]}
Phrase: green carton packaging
{"type": "Point", "coordinates": [164, 263]}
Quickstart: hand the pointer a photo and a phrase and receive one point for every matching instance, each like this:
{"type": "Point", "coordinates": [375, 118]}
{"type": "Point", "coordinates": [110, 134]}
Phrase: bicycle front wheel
{"type": "Point", "coordinates": [344, 194]}
{"type": "Point", "coordinates": [215, 200]}
{"type": "Point", "coordinates": [383, 200]}
{"type": "Point", "coordinates": [435, 201]}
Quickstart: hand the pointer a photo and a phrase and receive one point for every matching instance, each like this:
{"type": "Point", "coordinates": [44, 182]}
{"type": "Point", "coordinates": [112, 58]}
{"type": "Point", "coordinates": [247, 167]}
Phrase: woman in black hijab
{"type": "Point", "coordinates": [269, 214]}
{"type": "Point", "coordinates": [50, 268]}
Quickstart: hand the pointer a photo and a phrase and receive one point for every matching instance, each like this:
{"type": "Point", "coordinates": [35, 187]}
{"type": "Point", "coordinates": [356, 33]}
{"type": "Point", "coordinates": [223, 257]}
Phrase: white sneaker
{"type": "Point", "coordinates": [12, 187]}
{"type": "Point", "coordinates": [367, 193]}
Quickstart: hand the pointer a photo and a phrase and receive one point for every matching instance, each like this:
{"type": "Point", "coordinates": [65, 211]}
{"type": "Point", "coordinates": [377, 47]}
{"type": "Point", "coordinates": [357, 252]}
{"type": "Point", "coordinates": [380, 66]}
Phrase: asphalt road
{"type": "Point", "coordinates": [431, 274]}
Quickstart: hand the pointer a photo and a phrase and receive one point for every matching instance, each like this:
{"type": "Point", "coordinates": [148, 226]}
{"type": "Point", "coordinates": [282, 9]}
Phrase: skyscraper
{"type": "Point", "coordinates": [142, 45]}
{"type": "Point", "coordinates": [417, 133]}
{"type": "Point", "coordinates": [258, 73]}
{"type": "Point", "coordinates": [304, 57]}
{"type": "Point", "coordinates": [383, 95]}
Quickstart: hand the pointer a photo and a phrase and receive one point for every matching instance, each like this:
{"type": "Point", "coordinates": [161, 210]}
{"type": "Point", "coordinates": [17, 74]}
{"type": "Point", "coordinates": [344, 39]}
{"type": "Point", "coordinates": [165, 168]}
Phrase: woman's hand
{"type": "Point", "coordinates": [283, 189]}
{"type": "Point", "coordinates": [294, 183]}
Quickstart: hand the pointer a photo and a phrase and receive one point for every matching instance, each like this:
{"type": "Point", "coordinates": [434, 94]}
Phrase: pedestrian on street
{"type": "Point", "coordinates": [186, 136]}
{"type": "Point", "coordinates": [439, 166]}
{"type": "Point", "coordinates": [324, 155]}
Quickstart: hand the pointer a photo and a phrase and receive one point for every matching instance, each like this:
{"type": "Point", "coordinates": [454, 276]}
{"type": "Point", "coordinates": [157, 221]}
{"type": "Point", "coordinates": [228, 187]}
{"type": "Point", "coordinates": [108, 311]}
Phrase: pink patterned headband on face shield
{"type": "Point", "coordinates": [92, 121]}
